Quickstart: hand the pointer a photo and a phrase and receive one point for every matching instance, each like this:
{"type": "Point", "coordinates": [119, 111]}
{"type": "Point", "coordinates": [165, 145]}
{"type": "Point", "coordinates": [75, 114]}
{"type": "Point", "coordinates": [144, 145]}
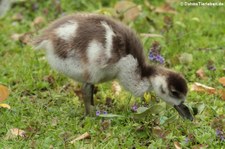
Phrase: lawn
{"type": "Point", "coordinates": [47, 109]}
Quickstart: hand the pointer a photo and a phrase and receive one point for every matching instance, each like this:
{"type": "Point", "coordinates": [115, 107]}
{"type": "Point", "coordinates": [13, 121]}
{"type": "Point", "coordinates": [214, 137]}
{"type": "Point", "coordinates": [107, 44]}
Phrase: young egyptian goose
{"type": "Point", "coordinates": [92, 48]}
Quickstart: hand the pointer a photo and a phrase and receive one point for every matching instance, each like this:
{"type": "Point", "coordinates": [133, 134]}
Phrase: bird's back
{"type": "Point", "coordinates": [84, 46]}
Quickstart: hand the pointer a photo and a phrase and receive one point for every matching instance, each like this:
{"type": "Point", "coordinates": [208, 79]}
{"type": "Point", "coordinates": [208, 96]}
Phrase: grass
{"type": "Point", "coordinates": [43, 102]}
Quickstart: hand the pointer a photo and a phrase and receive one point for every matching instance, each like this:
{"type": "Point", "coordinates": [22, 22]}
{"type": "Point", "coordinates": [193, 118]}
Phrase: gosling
{"type": "Point", "coordinates": [92, 48]}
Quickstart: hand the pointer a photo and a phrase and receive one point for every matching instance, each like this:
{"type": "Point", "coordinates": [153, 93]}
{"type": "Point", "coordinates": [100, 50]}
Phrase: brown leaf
{"type": "Point", "coordinates": [147, 4]}
{"type": "Point", "coordinates": [86, 135]}
{"type": "Point", "coordinates": [198, 87]}
{"type": "Point", "coordinates": [79, 93]}
{"type": "Point", "coordinates": [16, 36]}
{"type": "Point", "coordinates": [108, 101]}
{"type": "Point", "coordinates": [200, 73]}
{"type": "Point", "coordinates": [222, 94]}
{"type": "Point", "coordinates": [177, 145]}
{"type": "Point", "coordinates": [54, 121]}
{"type": "Point", "coordinates": [3, 105]}
{"type": "Point", "coordinates": [51, 147]}
{"type": "Point", "coordinates": [151, 35]}
{"type": "Point", "coordinates": [105, 124]}
{"type": "Point", "coordinates": [24, 38]}
{"type": "Point", "coordinates": [116, 88]}
{"type": "Point", "coordinates": [166, 8]}
{"type": "Point", "coordinates": [4, 93]}
{"type": "Point", "coordinates": [200, 146]}
{"type": "Point", "coordinates": [159, 132]}
{"type": "Point", "coordinates": [65, 135]}
{"type": "Point", "coordinates": [17, 17]}
{"type": "Point", "coordinates": [128, 9]}
{"type": "Point", "coordinates": [15, 132]}
{"type": "Point", "coordinates": [140, 128]}
{"type": "Point", "coordinates": [222, 81]}
{"type": "Point", "coordinates": [186, 58]}
{"type": "Point", "coordinates": [38, 21]}
{"type": "Point", "coordinates": [50, 79]}
{"type": "Point", "coordinates": [18, 132]}
{"type": "Point", "coordinates": [218, 122]}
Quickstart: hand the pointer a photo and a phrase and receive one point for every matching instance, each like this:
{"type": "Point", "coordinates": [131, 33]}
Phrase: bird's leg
{"type": "Point", "coordinates": [88, 90]}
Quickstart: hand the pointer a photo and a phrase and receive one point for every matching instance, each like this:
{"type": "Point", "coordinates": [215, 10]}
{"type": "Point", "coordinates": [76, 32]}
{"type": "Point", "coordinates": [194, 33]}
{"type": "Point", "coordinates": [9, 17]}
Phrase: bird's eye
{"type": "Point", "coordinates": [175, 94]}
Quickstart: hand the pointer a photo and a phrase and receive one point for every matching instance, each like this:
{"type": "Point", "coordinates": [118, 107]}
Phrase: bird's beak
{"type": "Point", "coordinates": [183, 111]}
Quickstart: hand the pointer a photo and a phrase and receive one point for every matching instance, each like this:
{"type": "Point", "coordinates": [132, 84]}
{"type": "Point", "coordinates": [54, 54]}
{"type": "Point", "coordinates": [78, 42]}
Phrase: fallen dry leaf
{"type": "Point", "coordinates": [177, 145]}
{"type": "Point", "coordinates": [222, 81]}
{"type": "Point", "coordinates": [151, 35]}
{"type": "Point", "coordinates": [79, 93]}
{"type": "Point", "coordinates": [15, 36]}
{"type": "Point", "coordinates": [24, 38]}
{"type": "Point", "coordinates": [50, 79]}
{"type": "Point", "coordinates": [210, 65]}
{"type": "Point", "coordinates": [108, 102]}
{"type": "Point", "coordinates": [15, 132]}
{"type": "Point", "coordinates": [18, 132]}
{"type": "Point", "coordinates": [200, 73]}
{"type": "Point", "coordinates": [54, 121]}
{"type": "Point", "coordinates": [157, 131]}
{"type": "Point", "coordinates": [140, 128]}
{"type": "Point", "coordinates": [4, 92]}
{"type": "Point", "coordinates": [222, 94]}
{"type": "Point", "coordinates": [86, 135]}
{"type": "Point", "coordinates": [116, 88]}
{"type": "Point", "coordinates": [51, 147]}
{"type": "Point", "coordinates": [17, 17]}
{"type": "Point", "coordinates": [166, 8]}
{"type": "Point", "coordinates": [128, 9]}
{"type": "Point", "coordinates": [200, 146]}
{"type": "Point", "coordinates": [105, 124]}
{"type": "Point", "coordinates": [198, 87]}
{"type": "Point", "coordinates": [147, 4]}
{"type": "Point", "coordinates": [168, 23]}
{"type": "Point", "coordinates": [38, 21]}
{"type": "Point", "coordinates": [196, 19]}
{"type": "Point", "coordinates": [186, 58]}
{"type": "Point", "coordinates": [3, 105]}
{"type": "Point", "coordinates": [218, 122]}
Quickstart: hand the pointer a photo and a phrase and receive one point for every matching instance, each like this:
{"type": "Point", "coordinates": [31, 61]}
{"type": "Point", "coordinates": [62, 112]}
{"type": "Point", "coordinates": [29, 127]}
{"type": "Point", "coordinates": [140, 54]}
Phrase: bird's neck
{"type": "Point", "coordinates": [131, 78]}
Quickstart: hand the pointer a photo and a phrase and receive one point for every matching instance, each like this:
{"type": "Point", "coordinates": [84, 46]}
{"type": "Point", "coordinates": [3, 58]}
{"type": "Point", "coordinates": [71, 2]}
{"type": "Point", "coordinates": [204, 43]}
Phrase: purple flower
{"type": "Point", "coordinates": [218, 132]}
{"type": "Point", "coordinates": [222, 138]}
{"type": "Point", "coordinates": [220, 135]}
{"type": "Point", "coordinates": [105, 112]}
{"type": "Point", "coordinates": [160, 59]}
{"type": "Point", "coordinates": [98, 113]}
{"type": "Point", "coordinates": [156, 58]}
{"type": "Point", "coordinates": [187, 140]}
{"type": "Point", "coordinates": [154, 54]}
{"type": "Point", "coordinates": [151, 56]}
{"type": "Point", "coordinates": [134, 108]}
{"type": "Point", "coordinates": [35, 6]}
{"type": "Point", "coordinates": [211, 66]}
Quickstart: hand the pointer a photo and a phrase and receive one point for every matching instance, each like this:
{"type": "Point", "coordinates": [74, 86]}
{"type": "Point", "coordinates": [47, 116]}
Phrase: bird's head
{"type": "Point", "coordinates": [172, 88]}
